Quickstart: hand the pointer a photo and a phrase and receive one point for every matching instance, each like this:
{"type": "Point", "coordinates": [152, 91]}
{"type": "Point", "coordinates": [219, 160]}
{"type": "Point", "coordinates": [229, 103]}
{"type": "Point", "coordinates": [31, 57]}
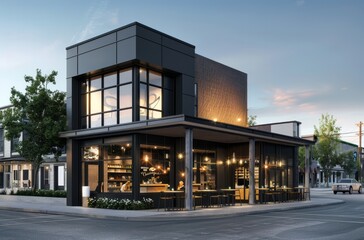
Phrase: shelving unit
{"type": "Point", "coordinates": [118, 172]}
{"type": "Point", "coordinates": [242, 180]}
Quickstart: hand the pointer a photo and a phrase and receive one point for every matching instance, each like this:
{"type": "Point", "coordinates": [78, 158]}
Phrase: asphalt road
{"type": "Point", "coordinates": [342, 221]}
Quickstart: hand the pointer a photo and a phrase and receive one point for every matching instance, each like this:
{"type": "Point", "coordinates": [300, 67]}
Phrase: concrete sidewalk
{"type": "Point", "coordinates": [58, 206]}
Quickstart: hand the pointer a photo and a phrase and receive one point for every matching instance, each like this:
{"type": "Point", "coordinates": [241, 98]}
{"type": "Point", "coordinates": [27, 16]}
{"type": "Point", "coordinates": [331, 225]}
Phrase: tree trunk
{"type": "Point", "coordinates": [35, 176]}
{"type": "Point", "coordinates": [327, 180]}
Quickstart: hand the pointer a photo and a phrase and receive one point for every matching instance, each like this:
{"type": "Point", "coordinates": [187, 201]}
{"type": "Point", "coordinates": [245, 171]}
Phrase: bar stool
{"type": "Point", "coordinates": [196, 197]}
{"type": "Point", "coordinates": [220, 199]}
{"type": "Point", "coordinates": [166, 199]}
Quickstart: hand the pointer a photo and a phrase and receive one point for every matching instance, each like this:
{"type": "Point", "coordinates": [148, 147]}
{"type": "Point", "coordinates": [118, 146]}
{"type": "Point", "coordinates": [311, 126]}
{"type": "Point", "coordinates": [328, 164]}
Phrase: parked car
{"type": "Point", "coordinates": [347, 185]}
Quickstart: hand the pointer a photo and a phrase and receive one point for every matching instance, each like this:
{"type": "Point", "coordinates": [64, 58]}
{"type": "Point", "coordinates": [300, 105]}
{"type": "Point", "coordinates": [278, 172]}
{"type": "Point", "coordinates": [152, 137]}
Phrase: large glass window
{"type": "Point", "coordinates": [204, 169]}
{"type": "Point", "coordinates": [108, 99]}
{"type": "Point", "coordinates": [108, 168]}
{"type": "Point", "coordinates": [105, 99]}
{"type": "Point", "coordinates": [155, 168]}
{"type": "Point", "coordinates": [150, 91]}
{"type": "Point", "coordinates": [14, 144]}
{"type": "Point", "coordinates": [278, 166]}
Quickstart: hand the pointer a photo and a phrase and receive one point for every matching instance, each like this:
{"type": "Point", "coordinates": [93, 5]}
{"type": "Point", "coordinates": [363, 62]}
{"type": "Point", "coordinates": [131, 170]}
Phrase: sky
{"type": "Point", "coordinates": [304, 58]}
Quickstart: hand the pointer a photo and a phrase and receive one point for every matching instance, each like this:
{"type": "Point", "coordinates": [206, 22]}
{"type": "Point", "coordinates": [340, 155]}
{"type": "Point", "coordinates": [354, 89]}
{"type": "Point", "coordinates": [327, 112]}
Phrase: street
{"type": "Point", "coordinates": [341, 221]}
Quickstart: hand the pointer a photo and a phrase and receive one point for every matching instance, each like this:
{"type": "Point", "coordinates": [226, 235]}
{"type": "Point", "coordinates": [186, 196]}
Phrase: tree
{"type": "Point", "coordinates": [301, 157]}
{"type": "Point", "coordinates": [325, 150]}
{"type": "Point", "coordinates": [252, 120]}
{"type": "Point", "coordinates": [301, 161]}
{"type": "Point", "coordinates": [39, 115]}
{"type": "Point", "coordinates": [348, 163]}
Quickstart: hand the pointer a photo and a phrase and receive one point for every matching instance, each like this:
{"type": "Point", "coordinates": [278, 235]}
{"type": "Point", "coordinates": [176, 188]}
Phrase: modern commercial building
{"type": "Point", "coordinates": [143, 107]}
{"type": "Point", "coordinates": [17, 173]}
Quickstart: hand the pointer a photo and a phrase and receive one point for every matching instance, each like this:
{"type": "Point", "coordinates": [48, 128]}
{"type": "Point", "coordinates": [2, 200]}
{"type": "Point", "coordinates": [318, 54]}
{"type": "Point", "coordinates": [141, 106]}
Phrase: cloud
{"type": "Point", "coordinates": [291, 99]}
{"type": "Point", "coordinates": [100, 18]}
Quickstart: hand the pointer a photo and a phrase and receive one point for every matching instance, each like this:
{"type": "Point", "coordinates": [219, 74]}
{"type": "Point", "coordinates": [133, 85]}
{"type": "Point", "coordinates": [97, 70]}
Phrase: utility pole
{"type": "Point", "coordinates": [360, 124]}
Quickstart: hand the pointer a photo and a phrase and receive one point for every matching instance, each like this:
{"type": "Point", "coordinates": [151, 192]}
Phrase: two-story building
{"type": "Point", "coordinates": [16, 172]}
{"type": "Point", "coordinates": [143, 107]}
{"type": "Point", "coordinates": [318, 178]}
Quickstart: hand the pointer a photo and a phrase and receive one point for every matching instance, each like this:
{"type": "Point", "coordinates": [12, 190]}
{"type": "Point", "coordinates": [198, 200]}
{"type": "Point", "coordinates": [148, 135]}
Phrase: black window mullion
{"type": "Point", "coordinates": [136, 94]}
{"type": "Point", "coordinates": [117, 97]}
{"type": "Point", "coordinates": [88, 114]}
{"type": "Point", "coordinates": [147, 93]}
{"type": "Point", "coordinates": [102, 100]}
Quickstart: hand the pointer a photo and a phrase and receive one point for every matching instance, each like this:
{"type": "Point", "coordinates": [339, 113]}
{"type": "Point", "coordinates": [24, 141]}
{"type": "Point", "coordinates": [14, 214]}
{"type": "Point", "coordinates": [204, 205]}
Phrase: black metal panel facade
{"type": "Point", "coordinates": [126, 50]}
{"type": "Point", "coordinates": [97, 59]}
{"type": "Point", "coordinates": [97, 43]}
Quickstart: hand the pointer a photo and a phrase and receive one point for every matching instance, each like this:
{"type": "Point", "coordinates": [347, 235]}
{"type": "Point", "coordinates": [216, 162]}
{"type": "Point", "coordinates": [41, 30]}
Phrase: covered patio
{"type": "Point", "coordinates": [253, 160]}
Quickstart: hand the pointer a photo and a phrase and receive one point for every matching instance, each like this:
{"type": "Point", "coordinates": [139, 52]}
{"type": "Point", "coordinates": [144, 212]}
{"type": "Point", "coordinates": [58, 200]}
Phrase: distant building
{"type": "Point", "coordinates": [289, 128]}
{"type": "Point", "coordinates": [17, 173]}
{"type": "Point", "coordinates": [318, 179]}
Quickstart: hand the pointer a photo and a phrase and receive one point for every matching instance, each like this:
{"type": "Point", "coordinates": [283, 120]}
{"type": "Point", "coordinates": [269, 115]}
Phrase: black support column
{"type": "Point", "coordinates": [136, 166]}
{"type": "Point", "coordinates": [188, 169]}
{"type": "Point", "coordinates": [251, 171]}
{"type": "Point", "coordinates": [74, 173]}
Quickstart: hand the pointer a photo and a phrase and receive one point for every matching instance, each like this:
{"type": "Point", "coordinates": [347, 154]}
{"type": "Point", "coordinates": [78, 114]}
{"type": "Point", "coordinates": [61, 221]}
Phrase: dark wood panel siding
{"type": "Point", "coordinates": [222, 92]}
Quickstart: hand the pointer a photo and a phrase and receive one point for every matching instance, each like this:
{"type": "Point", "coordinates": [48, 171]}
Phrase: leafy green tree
{"type": "Point", "coordinates": [38, 115]}
{"type": "Point", "coordinates": [252, 120]}
{"type": "Point", "coordinates": [301, 157]}
{"type": "Point", "coordinates": [325, 150]}
{"type": "Point", "coordinates": [348, 163]}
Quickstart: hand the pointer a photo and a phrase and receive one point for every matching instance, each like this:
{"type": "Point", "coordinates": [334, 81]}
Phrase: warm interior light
{"type": "Point", "coordinates": [146, 158]}
{"type": "Point", "coordinates": [241, 162]}
{"type": "Point", "coordinates": [182, 174]}
{"type": "Point", "coordinates": [234, 160]}
{"type": "Point", "coordinates": [180, 155]}
{"type": "Point", "coordinates": [215, 119]}
{"type": "Point", "coordinates": [239, 119]}
{"type": "Point", "coordinates": [265, 166]}
{"type": "Point", "coordinates": [228, 162]}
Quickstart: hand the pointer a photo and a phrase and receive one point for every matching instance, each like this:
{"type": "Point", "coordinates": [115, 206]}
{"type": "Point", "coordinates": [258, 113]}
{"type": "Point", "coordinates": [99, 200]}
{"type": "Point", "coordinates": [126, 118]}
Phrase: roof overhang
{"type": "Point", "coordinates": [175, 126]}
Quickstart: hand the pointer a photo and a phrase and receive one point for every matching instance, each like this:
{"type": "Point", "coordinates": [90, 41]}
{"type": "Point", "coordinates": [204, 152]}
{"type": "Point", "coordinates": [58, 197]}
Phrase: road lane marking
{"type": "Point", "coordinates": [318, 220]}
{"type": "Point", "coordinates": [25, 218]}
{"type": "Point", "coordinates": [32, 223]}
{"type": "Point", "coordinates": [326, 215]}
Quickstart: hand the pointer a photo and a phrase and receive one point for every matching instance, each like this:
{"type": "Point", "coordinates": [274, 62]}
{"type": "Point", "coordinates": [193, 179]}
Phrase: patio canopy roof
{"type": "Point", "coordinates": [203, 129]}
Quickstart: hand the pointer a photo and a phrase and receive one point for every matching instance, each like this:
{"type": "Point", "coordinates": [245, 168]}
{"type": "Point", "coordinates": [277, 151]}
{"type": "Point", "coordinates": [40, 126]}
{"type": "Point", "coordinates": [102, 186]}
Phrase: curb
{"type": "Point", "coordinates": [170, 216]}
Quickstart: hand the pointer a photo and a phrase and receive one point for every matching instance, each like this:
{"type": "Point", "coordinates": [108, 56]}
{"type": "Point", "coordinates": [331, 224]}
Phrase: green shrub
{"type": "Point", "coordinates": [120, 204]}
{"type": "Point", "coordinates": [42, 193]}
